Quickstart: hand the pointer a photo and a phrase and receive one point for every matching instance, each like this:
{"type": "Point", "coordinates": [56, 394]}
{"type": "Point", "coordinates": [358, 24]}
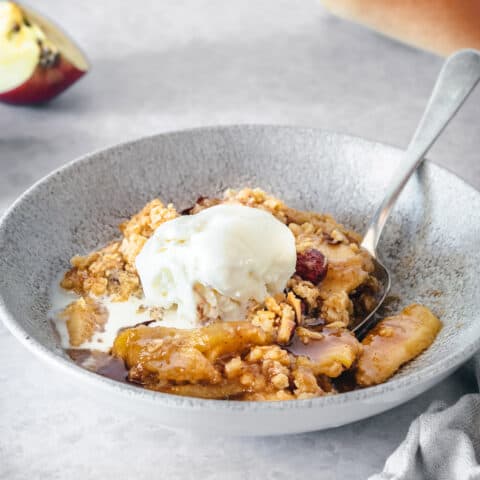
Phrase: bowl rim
{"type": "Point", "coordinates": [135, 393]}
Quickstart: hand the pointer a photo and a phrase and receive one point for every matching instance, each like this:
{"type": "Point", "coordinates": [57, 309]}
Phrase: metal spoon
{"type": "Point", "coordinates": [459, 76]}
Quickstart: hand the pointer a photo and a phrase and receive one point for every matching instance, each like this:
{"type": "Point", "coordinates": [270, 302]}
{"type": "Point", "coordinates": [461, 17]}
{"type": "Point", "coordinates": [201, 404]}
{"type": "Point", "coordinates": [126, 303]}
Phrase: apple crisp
{"type": "Point", "coordinates": [296, 344]}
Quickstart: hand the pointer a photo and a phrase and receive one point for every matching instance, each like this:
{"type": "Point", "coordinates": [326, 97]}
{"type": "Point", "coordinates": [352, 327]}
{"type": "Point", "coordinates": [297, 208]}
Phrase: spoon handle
{"type": "Point", "coordinates": [459, 76]}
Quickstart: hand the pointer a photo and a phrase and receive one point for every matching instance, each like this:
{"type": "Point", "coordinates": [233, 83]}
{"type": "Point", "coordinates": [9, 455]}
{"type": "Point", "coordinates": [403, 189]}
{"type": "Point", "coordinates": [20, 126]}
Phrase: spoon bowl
{"type": "Point", "coordinates": [382, 274]}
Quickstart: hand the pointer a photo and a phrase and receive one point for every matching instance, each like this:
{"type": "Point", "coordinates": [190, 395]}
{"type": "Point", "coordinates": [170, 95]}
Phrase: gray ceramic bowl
{"type": "Point", "coordinates": [430, 243]}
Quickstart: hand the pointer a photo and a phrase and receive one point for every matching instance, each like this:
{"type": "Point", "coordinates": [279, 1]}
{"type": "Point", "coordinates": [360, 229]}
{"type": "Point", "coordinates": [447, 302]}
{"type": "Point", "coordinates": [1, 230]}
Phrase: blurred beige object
{"type": "Point", "coordinates": [441, 26]}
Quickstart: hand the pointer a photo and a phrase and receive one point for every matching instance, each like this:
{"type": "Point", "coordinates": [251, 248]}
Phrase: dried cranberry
{"type": "Point", "coordinates": [312, 265]}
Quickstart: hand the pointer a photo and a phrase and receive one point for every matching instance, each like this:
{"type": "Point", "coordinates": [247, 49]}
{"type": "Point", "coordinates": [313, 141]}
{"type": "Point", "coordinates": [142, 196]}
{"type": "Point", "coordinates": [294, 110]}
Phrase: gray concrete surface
{"type": "Point", "coordinates": [165, 65]}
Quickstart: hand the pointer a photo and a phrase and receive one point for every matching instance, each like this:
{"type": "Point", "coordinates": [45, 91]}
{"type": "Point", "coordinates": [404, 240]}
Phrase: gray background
{"type": "Point", "coordinates": [164, 65]}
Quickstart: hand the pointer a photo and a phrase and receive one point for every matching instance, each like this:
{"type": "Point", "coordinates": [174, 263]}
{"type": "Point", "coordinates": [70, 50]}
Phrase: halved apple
{"type": "Point", "coordinates": [37, 60]}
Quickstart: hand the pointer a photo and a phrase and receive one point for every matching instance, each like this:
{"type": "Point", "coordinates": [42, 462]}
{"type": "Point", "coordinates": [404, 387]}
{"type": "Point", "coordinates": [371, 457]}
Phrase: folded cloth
{"type": "Point", "coordinates": [442, 444]}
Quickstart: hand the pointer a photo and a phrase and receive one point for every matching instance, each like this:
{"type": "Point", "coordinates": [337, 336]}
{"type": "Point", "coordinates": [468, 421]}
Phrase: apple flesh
{"type": "Point", "coordinates": [37, 60]}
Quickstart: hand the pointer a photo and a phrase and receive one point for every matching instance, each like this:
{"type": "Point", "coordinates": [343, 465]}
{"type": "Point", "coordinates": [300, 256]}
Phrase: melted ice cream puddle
{"type": "Point", "coordinates": [120, 315]}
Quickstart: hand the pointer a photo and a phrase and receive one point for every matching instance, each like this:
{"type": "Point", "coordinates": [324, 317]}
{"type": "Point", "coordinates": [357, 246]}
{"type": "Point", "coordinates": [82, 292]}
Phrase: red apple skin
{"type": "Point", "coordinates": [44, 84]}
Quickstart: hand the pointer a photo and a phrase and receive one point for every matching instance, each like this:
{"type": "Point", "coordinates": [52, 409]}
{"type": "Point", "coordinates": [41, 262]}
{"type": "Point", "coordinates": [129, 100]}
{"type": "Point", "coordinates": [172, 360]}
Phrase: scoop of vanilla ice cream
{"type": "Point", "coordinates": [225, 256]}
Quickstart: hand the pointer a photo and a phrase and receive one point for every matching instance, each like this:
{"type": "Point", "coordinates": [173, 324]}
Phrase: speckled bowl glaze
{"type": "Point", "coordinates": [431, 244]}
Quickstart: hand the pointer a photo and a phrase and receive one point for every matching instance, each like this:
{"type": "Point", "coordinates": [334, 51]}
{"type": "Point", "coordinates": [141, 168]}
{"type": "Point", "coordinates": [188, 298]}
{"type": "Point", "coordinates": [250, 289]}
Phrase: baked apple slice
{"type": "Point", "coordinates": [37, 60]}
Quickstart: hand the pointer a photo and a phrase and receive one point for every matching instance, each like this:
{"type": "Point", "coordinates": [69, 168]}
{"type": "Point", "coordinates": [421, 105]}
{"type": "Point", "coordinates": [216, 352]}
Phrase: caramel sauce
{"type": "Point", "coordinates": [100, 362]}
{"type": "Point", "coordinates": [321, 347]}
{"type": "Point", "coordinates": [346, 382]}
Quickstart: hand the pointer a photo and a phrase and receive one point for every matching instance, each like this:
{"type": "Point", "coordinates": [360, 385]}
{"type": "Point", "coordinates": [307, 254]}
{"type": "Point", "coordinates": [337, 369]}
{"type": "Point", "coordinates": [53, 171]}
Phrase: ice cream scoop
{"type": "Point", "coordinates": [212, 264]}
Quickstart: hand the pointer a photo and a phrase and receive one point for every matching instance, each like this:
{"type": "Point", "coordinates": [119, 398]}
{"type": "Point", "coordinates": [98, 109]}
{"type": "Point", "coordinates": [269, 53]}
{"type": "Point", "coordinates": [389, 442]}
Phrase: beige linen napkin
{"type": "Point", "coordinates": [442, 444]}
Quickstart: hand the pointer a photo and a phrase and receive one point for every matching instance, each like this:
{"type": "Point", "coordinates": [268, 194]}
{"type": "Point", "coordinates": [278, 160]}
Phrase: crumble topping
{"type": "Point", "coordinates": [111, 270]}
{"type": "Point", "coordinates": [293, 345]}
